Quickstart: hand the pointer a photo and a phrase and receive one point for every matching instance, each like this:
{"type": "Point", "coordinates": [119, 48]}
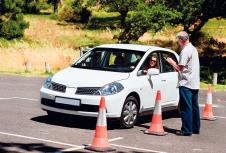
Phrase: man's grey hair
{"type": "Point", "coordinates": [183, 36]}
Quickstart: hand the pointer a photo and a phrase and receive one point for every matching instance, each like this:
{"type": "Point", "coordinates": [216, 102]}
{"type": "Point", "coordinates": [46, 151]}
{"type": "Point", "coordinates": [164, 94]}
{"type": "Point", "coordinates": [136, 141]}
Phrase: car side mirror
{"type": "Point", "coordinates": [140, 72]}
{"type": "Point", "coordinates": [153, 71]}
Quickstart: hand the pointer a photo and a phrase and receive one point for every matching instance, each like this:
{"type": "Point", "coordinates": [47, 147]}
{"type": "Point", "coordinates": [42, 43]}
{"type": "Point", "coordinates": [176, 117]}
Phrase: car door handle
{"type": "Point", "coordinates": [163, 80]}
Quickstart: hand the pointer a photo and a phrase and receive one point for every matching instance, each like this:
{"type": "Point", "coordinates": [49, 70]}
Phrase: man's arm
{"type": "Point", "coordinates": [175, 65]}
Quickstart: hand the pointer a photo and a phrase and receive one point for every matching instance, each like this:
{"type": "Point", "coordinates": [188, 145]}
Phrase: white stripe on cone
{"type": "Point", "coordinates": [158, 109]}
{"type": "Point", "coordinates": [102, 121]}
{"type": "Point", "coordinates": [209, 98]}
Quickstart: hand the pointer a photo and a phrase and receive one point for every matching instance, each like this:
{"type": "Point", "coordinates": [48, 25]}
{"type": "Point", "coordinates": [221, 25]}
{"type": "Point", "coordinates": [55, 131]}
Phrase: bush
{"type": "Point", "coordinates": [93, 23]}
{"type": "Point", "coordinates": [210, 65]}
{"type": "Point", "coordinates": [84, 15]}
{"type": "Point", "coordinates": [12, 24]}
{"type": "Point", "coordinates": [34, 6]}
{"type": "Point", "coordinates": [74, 11]}
{"type": "Point", "coordinates": [101, 20]}
{"type": "Point", "coordinates": [153, 18]}
{"type": "Point", "coordinates": [13, 28]}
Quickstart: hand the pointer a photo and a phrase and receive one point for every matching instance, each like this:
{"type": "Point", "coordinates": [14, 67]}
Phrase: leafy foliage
{"type": "Point", "coordinates": [195, 13]}
{"type": "Point", "coordinates": [122, 6]}
{"type": "Point", "coordinates": [189, 10]}
{"type": "Point", "coordinates": [75, 11]}
{"type": "Point", "coordinates": [34, 6]}
{"type": "Point", "coordinates": [12, 24]}
{"type": "Point", "coordinates": [152, 17]}
{"type": "Point", "coordinates": [55, 4]}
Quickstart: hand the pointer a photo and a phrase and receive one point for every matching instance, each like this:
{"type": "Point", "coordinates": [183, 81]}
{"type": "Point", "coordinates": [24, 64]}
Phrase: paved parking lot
{"type": "Point", "coordinates": [24, 127]}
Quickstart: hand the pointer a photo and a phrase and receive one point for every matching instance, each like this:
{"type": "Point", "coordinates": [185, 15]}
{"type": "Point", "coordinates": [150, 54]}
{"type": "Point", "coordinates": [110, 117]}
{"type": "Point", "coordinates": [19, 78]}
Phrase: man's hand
{"type": "Point", "coordinates": [174, 64]}
{"type": "Point", "coordinates": [170, 61]}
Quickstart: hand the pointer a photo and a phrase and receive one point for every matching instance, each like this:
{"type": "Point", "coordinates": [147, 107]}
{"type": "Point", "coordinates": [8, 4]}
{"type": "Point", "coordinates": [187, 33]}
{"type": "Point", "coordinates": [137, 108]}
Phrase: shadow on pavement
{"type": "Point", "coordinates": [82, 122]}
{"type": "Point", "coordinates": [67, 121]}
{"type": "Point", "coordinates": [8, 147]}
{"type": "Point", "coordinates": [39, 147]}
{"type": "Point", "coordinates": [165, 115]}
{"type": "Point", "coordinates": [170, 130]}
{"type": "Point", "coordinates": [74, 122]}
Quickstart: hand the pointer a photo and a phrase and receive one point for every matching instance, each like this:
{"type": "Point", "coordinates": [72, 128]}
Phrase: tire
{"type": "Point", "coordinates": [129, 113]}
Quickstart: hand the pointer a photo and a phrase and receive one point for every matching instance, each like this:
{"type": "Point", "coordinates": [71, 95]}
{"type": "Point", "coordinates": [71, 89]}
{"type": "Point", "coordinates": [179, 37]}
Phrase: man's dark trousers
{"type": "Point", "coordinates": [189, 108]}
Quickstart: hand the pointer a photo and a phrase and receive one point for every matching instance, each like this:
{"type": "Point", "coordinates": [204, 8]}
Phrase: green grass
{"type": "Point", "coordinates": [103, 14]}
{"type": "Point", "coordinates": [19, 43]}
{"type": "Point", "coordinates": [215, 87]}
{"type": "Point", "coordinates": [215, 28]}
{"type": "Point", "coordinates": [89, 39]}
{"type": "Point", "coordinates": [26, 74]}
{"type": "Point", "coordinates": [215, 23]}
{"type": "Point", "coordinates": [38, 16]}
{"type": "Point", "coordinates": [75, 35]}
{"type": "Point", "coordinates": [101, 20]}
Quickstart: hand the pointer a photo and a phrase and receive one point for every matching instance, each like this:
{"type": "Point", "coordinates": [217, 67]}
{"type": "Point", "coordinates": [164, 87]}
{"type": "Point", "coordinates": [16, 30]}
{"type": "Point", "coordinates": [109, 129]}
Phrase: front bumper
{"type": "Point", "coordinates": [89, 103]}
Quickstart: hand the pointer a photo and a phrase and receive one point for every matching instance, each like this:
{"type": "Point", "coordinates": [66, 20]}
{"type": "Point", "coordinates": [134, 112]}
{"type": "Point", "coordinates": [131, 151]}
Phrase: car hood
{"type": "Point", "coordinates": [76, 77]}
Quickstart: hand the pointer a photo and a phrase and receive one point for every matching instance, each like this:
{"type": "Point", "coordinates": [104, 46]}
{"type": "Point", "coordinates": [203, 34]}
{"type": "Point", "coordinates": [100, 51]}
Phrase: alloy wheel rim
{"type": "Point", "coordinates": [130, 113]}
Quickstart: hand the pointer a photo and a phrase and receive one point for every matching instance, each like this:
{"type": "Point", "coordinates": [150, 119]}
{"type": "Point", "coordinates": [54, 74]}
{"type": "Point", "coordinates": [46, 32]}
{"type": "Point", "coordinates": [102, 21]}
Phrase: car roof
{"type": "Point", "coordinates": [136, 47]}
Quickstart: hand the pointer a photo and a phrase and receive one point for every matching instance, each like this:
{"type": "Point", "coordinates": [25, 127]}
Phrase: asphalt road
{"type": "Point", "coordinates": [24, 127]}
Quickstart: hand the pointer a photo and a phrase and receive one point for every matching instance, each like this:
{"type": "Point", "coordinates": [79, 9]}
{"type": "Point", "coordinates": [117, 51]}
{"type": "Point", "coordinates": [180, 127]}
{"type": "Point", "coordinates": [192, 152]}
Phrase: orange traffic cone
{"type": "Point", "coordinates": [208, 111]}
{"type": "Point", "coordinates": [100, 142]}
{"type": "Point", "coordinates": [156, 127]}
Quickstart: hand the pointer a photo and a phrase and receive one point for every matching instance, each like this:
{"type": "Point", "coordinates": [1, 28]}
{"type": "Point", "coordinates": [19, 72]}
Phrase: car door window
{"type": "Point", "coordinates": [152, 61]}
{"type": "Point", "coordinates": [166, 67]}
{"type": "Point", "coordinates": [123, 60]}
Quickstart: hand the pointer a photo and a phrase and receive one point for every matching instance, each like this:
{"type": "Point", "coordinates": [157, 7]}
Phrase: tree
{"type": "Point", "coordinates": [55, 3]}
{"type": "Point", "coordinates": [152, 17]}
{"type": "Point", "coordinates": [34, 6]}
{"type": "Point", "coordinates": [195, 13]}
{"type": "Point", "coordinates": [12, 24]}
{"type": "Point", "coordinates": [189, 10]}
{"type": "Point", "coordinates": [122, 6]}
{"type": "Point", "coordinates": [75, 11]}
{"type": "Point", "coordinates": [209, 9]}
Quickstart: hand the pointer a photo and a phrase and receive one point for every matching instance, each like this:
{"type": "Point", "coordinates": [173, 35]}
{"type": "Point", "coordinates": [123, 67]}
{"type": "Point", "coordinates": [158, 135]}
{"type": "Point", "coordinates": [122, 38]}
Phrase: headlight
{"type": "Point", "coordinates": [110, 89]}
{"type": "Point", "coordinates": [47, 84]}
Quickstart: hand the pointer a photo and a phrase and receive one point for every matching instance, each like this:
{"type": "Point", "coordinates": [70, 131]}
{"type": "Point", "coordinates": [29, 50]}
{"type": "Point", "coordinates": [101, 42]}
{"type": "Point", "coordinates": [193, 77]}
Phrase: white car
{"type": "Point", "coordinates": [115, 71]}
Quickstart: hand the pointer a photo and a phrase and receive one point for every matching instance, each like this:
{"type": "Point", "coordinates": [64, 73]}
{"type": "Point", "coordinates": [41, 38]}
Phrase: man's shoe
{"type": "Point", "coordinates": [195, 132]}
{"type": "Point", "coordinates": [180, 133]}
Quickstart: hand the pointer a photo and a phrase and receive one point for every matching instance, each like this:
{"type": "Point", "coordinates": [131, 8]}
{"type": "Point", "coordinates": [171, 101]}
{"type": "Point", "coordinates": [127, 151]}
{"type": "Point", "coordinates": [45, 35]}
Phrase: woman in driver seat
{"type": "Point", "coordinates": [151, 64]}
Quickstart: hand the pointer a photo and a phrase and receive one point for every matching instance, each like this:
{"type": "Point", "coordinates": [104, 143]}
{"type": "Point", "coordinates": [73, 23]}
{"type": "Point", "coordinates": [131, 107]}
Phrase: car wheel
{"type": "Point", "coordinates": [129, 113]}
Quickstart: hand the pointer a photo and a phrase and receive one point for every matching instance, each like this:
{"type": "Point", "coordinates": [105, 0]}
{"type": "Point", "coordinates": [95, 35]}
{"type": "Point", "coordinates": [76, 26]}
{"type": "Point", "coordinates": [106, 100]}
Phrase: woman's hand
{"type": "Point", "coordinates": [145, 71]}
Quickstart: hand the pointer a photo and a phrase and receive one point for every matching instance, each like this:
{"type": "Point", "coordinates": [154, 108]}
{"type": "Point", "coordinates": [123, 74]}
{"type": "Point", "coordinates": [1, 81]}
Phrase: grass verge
{"type": "Point", "coordinates": [27, 74]}
{"type": "Point", "coordinates": [219, 87]}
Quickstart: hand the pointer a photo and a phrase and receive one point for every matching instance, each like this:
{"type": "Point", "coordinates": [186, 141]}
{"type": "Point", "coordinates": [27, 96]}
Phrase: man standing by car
{"type": "Point", "coordinates": [189, 82]}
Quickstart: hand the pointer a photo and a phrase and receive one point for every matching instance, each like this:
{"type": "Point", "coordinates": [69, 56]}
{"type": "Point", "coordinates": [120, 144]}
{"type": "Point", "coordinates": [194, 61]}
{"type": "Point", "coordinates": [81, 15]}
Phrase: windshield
{"type": "Point", "coordinates": [107, 59]}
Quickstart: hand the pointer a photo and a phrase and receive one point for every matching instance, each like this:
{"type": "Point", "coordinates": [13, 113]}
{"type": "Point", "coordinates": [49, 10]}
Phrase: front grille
{"type": "Point", "coordinates": [58, 87]}
{"type": "Point", "coordinates": [87, 90]}
{"type": "Point", "coordinates": [82, 107]}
